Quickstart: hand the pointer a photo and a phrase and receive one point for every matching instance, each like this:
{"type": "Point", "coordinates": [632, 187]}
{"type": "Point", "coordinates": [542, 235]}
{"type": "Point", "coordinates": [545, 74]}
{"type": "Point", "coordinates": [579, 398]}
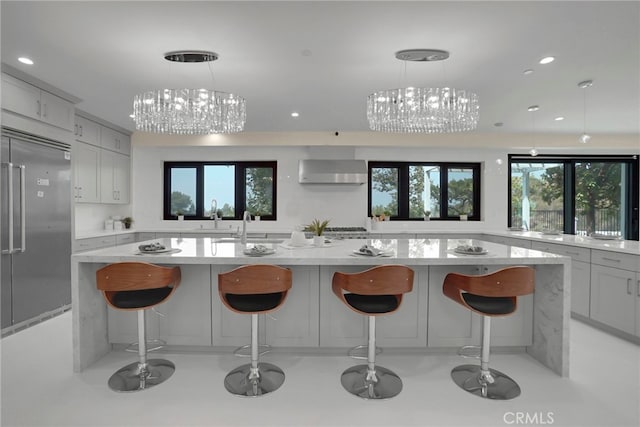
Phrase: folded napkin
{"type": "Point", "coordinates": [369, 251]}
{"type": "Point", "coordinates": [151, 247]}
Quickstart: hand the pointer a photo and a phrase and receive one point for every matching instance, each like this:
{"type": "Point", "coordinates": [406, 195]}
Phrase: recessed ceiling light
{"type": "Point", "coordinates": [131, 115]}
{"type": "Point", "coordinates": [559, 119]}
{"type": "Point", "coordinates": [294, 114]}
{"type": "Point", "coordinates": [25, 60]}
{"type": "Point", "coordinates": [527, 71]}
{"type": "Point", "coordinates": [547, 60]}
{"type": "Point", "coordinates": [533, 108]}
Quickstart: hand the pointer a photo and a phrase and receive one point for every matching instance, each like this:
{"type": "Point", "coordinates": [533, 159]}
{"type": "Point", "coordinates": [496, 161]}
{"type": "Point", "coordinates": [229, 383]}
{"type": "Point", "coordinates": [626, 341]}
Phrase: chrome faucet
{"type": "Point", "coordinates": [246, 217]}
{"type": "Point", "coordinates": [214, 209]}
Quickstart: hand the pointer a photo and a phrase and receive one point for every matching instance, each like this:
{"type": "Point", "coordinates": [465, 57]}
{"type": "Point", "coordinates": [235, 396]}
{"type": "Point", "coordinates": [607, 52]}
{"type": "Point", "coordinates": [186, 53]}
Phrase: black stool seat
{"type": "Point", "coordinates": [254, 302]}
{"type": "Point", "coordinates": [490, 305]}
{"type": "Point", "coordinates": [140, 299]}
{"type": "Point", "coordinates": [372, 303]}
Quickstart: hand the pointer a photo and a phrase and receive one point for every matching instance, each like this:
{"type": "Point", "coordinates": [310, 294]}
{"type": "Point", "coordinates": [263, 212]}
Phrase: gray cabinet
{"type": "Point", "coordinates": [30, 101]}
{"type": "Point", "coordinates": [87, 131]}
{"type": "Point", "coordinates": [451, 325]}
{"type": "Point", "coordinates": [342, 327]}
{"type": "Point", "coordinates": [615, 290]}
{"type": "Point", "coordinates": [294, 324]}
{"type": "Point", "coordinates": [86, 169]}
{"type": "Point", "coordinates": [183, 319]}
{"type": "Point", "coordinates": [580, 273]}
{"type": "Point", "coordinates": [114, 177]}
{"type": "Point", "coordinates": [114, 141]}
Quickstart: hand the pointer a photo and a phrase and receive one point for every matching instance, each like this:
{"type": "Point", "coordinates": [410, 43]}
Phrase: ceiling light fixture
{"type": "Point", "coordinates": [295, 114]}
{"type": "Point", "coordinates": [584, 138]}
{"type": "Point", "coordinates": [25, 60]}
{"type": "Point", "coordinates": [189, 111]}
{"type": "Point", "coordinates": [559, 119]}
{"type": "Point", "coordinates": [422, 110]}
{"type": "Point", "coordinates": [547, 60]}
{"type": "Point", "coordinates": [532, 109]}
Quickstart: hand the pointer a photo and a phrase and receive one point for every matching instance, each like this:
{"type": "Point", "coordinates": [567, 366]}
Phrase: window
{"type": "Point", "coordinates": [580, 195]}
{"type": "Point", "coordinates": [199, 189]}
{"type": "Point", "coordinates": [407, 191]}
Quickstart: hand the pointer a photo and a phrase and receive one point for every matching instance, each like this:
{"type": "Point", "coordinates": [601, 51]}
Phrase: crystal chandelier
{"type": "Point", "coordinates": [189, 111]}
{"type": "Point", "coordinates": [422, 110]}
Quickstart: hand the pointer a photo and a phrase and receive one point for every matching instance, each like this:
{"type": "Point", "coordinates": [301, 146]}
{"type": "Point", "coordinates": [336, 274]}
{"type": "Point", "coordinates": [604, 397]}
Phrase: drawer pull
{"type": "Point", "coordinates": [629, 287]}
{"type": "Point", "coordinates": [610, 259]}
{"type": "Point", "coordinates": [638, 288]}
{"type": "Point", "coordinates": [573, 253]}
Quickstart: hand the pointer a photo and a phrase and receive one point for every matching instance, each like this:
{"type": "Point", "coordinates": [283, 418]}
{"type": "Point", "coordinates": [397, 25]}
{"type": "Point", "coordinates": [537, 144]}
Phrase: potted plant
{"type": "Point", "coordinates": [257, 216]}
{"type": "Point", "coordinates": [180, 215]}
{"type": "Point", "coordinates": [127, 221]}
{"type": "Point", "coordinates": [427, 215]}
{"type": "Point", "coordinates": [317, 227]}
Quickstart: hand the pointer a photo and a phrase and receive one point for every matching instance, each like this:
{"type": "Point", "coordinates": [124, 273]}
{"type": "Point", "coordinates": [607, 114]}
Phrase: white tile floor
{"type": "Point", "coordinates": [40, 389]}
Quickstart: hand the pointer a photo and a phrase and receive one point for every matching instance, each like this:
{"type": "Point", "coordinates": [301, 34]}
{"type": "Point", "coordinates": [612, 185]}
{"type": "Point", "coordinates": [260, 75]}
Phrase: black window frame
{"type": "Point", "coordinates": [403, 188]}
{"type": "Point", "coordinates": [239, 182]}
{"type": "Point", "coordinates": [569, 205]}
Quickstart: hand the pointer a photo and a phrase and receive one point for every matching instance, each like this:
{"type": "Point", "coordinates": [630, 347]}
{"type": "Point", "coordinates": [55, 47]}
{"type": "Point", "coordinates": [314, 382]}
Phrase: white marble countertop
{"type": "Point", "coordinates": [207, 250]}
{"type": "Point", "coordinates": [623, 246]}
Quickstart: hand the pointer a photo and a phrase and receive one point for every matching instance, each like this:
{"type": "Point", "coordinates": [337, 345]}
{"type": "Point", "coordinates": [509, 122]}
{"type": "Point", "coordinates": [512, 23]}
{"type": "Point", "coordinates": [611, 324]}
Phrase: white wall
{"type": "Point", "coordinates": [345, 205]}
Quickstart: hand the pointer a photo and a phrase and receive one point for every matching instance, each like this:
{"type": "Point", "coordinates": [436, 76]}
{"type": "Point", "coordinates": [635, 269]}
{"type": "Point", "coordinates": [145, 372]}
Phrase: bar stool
{"type": "Point", "coordinates": [490, 295]}
{"type": "Point", "coordinates": [138, 286]}
{"type": "Point", "coordinates": [374, 292]}
{"type": "Point", "coordinates": [254, 289]}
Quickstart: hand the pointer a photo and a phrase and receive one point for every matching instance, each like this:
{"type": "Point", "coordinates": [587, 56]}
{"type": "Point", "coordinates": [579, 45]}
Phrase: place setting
{"type": "Point", "coordinates": [156, 248]}
{"type": "Point", "coordinates": [470, 250]}
{"type": "Point", "coordinates": [370, 251]}
{"type": "Point", "coordinates": [258, 251]}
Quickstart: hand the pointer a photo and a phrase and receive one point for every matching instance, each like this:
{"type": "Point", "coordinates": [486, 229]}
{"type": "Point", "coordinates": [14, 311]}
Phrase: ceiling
{"type": "Point", "coordinates": [322, 59]}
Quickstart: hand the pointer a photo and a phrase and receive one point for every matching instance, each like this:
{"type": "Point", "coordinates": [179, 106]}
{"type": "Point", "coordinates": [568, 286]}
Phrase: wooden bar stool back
{"type": "Point", "coordinates": [489, 295]}
{"type": "Point", "coordinates": [254, 289]}
{"type": "Point", "coordinates": [374, 292]}
{"type": "Point", "coordinates": [138, 286]}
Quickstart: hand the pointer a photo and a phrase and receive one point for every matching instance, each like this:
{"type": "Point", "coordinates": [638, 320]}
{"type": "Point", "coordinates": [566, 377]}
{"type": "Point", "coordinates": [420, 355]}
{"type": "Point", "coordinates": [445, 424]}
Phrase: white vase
{"type": "Point", "coordinates": [257, 218]}
{"type": "Point", "coordinates": [180, 217]}
{"type": "Point", "coordinates": [318, 240]}
{"type": "Point", "coordinates": [463, 217]}
{"type": "Point", "coordinates": [427, 218]}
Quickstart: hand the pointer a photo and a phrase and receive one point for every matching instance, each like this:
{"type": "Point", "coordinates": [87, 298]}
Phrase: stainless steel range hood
{"type": "Point", "coordinates": [318, 171]}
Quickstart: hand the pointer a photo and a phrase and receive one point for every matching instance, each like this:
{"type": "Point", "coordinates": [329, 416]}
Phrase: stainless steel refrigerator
{"type": "Point", "coordinates": [35, 232]}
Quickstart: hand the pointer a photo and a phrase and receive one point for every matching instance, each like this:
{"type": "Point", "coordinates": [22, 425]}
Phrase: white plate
{"type": "Point", "coordinates": [161, 251]}
{"type": "Point", "coordinates": [381, 254]}
{"type": "Point", "coordinates": [468, 252]}
{"type": "Point", "coordinates": [249, 252]}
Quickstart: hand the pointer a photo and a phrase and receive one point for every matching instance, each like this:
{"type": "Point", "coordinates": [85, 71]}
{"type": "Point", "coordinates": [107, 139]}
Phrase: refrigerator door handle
{"type": "Point", "coordinates": [10, 166]}
{"type": "Point", "coordinates": [23, 208]}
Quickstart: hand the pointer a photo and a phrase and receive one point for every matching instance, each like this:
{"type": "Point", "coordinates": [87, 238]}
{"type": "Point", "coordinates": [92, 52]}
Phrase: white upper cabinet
{"type": "Point", "coordinates": [114, 177]}
{"type": "Point", "coordinates": [87, 131]}
{"type": "Point", "coordinates": [28, 100]}
{"type": "Point", "coordinates": [114, 141]}
{"type": "Point", "coordinates": [86, 165]}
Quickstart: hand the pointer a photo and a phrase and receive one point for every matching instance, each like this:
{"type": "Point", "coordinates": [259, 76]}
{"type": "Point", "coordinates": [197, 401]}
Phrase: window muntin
{"type": "Point", "coordinates": [229, 187]}
{"type": "Point", "coordinates": [580, 194]}
{"type": "Point", "coordinates": [408, 190]}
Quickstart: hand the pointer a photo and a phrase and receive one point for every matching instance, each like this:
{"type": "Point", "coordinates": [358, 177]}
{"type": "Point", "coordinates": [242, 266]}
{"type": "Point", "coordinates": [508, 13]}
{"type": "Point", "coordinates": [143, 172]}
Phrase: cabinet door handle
{"type": "Point", "coordinates": [629, 291]}
{"type": "Point", "coordinates": [44, 108]}
{"type": "Point", "coordinates": [38, 102]}
{"type": "Point", "coordinates": [610, 259]}
{"type": "Point", "coordinates": [638, 288]}
{"type": "Point", "coordinates": [75, 132]}
{"type": "Point", "coordinates": [573, 253]}
{"type": "Point", "coordinates": [81, 131]}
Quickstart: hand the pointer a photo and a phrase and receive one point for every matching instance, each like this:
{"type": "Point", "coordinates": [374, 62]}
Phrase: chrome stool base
{"type": "Point", "coordinates": [469, 378]}
{"type": "Point", "coordinates": [242, 383]}
{"type": "Point", "coordinates": [356, 380]}
{"type": "Point", "coordinates": [131, 378]}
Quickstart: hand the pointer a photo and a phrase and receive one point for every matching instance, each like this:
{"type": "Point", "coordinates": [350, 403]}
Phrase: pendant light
{"type": "Point", "coordinates": [532, 109]}
{"type": "Point", "coordinates": [584, 85]}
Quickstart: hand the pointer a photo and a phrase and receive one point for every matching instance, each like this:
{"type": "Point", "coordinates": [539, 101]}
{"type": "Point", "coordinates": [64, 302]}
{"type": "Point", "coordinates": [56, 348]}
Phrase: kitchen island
{"type": "Point", "coordinates": [312, 319]}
